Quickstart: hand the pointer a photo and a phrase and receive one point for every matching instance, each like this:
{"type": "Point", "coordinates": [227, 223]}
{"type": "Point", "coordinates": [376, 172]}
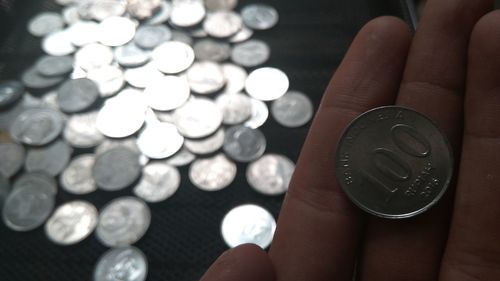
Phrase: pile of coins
{"type": "Point", "coordinates": [129, 91]}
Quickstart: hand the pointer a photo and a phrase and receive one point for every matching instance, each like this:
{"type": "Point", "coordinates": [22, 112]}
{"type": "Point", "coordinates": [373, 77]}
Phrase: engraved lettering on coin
{"type": "Point", "coordinates": [222, 24]}
{"type": "Point", "coordinates": [150, 36]}
{"type": "Point", "coordinates": [37, 126]}
{"type": "Point", "coordinates": [173, 57]}
{"type": "Point", "coordinates": [271, 174]}
{"type": "Point", "coordinates": [81, 130]}
{"type": "Point", "coordinates": [212, 174]}
{"type": "Point", "coordinates": [198, 118]}
{"type": "Point", "coordinates": [250, 53]}
{"type": "Point", "coordinates": [235, 107]}
{"type": "Point", "coordinates": [159, 140]}
{"type": "Point", "coordinates": [77, 176]}
{"type": "Point", "coordinates": [205, 77]}
{"type": "Point", "coordinates": [127, 263]}
{"type": "Point", "coordinates": [244, 144]}
{"type": "Point", "coordinates": [45, 23]}
{"type": "Point", "coordinates": [259, 16]}
{"type": "Point", "coordinates": [50, 159]}
{"type": "Point", "coordinates": [116, 169]}
{"type": "Point", "coordinates": [292, 110]}
{"type": "Point", "coordinates": [259, 116]}
{"type": "Point", "coordinates": [76, 95]}
{"type": "Point", "coordinates": [12, 157]}
{"type": "Point", "coordinates": [207, 145]}
{"type": "Point", "coordinates": [167, 93]}
{"type": "Point", "coordinates": [267, 83]}
{"type": "Point", "coordinates": [159, 182]}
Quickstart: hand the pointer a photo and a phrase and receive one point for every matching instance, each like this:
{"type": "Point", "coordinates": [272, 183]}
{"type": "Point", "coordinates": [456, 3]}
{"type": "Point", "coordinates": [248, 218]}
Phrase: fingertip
{"type": "Point", "coordinates": [388, 29]}
{"type": "Point", "coordinates": [485, 38]}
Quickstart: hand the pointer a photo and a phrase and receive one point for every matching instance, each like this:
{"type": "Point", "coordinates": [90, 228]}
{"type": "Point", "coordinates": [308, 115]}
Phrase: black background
{"type": "Point", "coordinates": [184, 238]}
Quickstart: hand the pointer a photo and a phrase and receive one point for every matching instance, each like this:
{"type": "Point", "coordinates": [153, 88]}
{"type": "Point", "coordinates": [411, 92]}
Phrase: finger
{"type": "Point", "coordinates": [473, 251]}
{"type": "Point", "coordinates": [433, 84]}
{"type": "Point", "coordinates": [318, 229]}
{"type": "Point", "coordinates": [244, 263]}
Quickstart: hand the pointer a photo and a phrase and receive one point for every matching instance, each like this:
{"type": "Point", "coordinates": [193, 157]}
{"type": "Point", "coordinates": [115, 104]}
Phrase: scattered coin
{"type": "Point", "coordinates": [159, 140]}
{"type": "Point", "coordinates": [207, 145]}
{"type": "Point", "coordinates": [182, 158]}
{"type": "Point", "coordinates": [39, 179]}
{"type": "Point", "coordinates": [116, 169]}
{"type": "Point", "coordinates": [212, 50]}
{"type": "Point", "coordinates": [54, 66]}
{"type": "Point", "coordinates": [393, 162]}
{"type": "Point", "coordinates": [83, 32]}
{"type": "Point", "coordinates": [37, 126]}
{"type": "Point", "coordinates": [173, 57]}
{"type": "Point", "coordinates": [10, 92]}
{"type": "Point", "coordinates": [45, 23]}
{"type": "Point", "coordinates": [71, 222]}
{"type": "Point", "coordinates": [130, 55]}
{"type": "Point", "coordinates": [150, 36]}
{"type": "Point", "coordinates": [123, 221]}
{"type": "Point", "coordinates": [140, 77]}
{"type": "Point", "coordinates": [162, 13]}
{"type": "Point", "coordinates": [244, 144]}
{"type": "Point", "coordinates": [77, 94]}
{"type": "Point", "coordinates": [4, 189]}
{"type": "Point", "coordinates": [109, 79]}
{"type": "Point", "coordinates": [222, 24]}
{"type": "Point", "coordinates": [167, 93]}
{"type": "Point", "coordinates": [58, 43]}
{"type": "Point", "coordinates": [108, 144]}
{"type": "Point", "coordinates": [259, 86]}
{"type": "Point", "coordinates": [259, 116]}
{"type": "Point", "coordinates": [198, 118]}
{"type": "Point", "coordinates": [248, 224]}
{"type": "Point", "coordinates": [13, 156]}
{"type": "Point", "coordinates": [81, 130]}
{"type": "Point", "coordinates": [187, 13]}
{"type": "Point", "coordinates": [212, 174]}
{"type": "Point", "coordinates": [93, 56]}
{"type": "Point", "coordinates": [142, 9]}
{"type": "Point", "coordinates": [236, 77]}
{"type": "Point", "coordinates": [50, 159]}
{"type": "Point", "coordinates": [70, 14]}
{"type": "Point", "coordinates": [77, 176]}
{"type": "Point", "coordinates": [181, 36]}
{"type": "Point", "coordinates": [271, 174]}
{"type": "Point", "coordinates": [34, 80]}
{"type": "Point", "coordinates": [292, 110]}
{"type": "Point", "coordinates": [250, 53]}
{"type": "Point", "coordinates": [235, 107]}
{"type": "Point", "coordinates": [101, 10]}
{"type": "Point", "coordinates": [259, 16]}
{"type": "Point", "coordinates": [127, 263]}
{"type": "Point", "coordinates": [221, 5]}
{"type": "Point", "coordinates": [244, 34]}
{"type": "Point", "coordinates": [205, 77]}
{"type": "Point", "coordinates": [159, 182]}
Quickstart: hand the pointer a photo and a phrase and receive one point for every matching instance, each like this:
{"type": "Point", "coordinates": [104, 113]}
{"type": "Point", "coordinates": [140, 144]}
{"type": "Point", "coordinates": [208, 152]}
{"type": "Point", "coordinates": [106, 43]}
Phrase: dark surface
{"type": "Point", "coordinates": [183, 240]}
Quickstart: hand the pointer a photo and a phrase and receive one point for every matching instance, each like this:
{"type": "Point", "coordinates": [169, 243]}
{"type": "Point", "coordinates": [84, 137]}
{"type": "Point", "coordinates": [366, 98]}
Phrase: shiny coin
{"type": "Point", "coordinates": [93, 56]}
{"type": "Point", "coordinates": [212, 174]}
{"type": "Point", "coordinates": [267, 83]}
{"type": "Point", "coordinates": [10, 92]}
{"type": "Point", "coordinates": [198, 118]}
{"type": "Point", "coordinates": [141, 77]}
{"type": "Point", "coordinates": [50, 99]}
{"type": "Point", "coordinates": [54, 66]}
{"type": "Point", "coordinates": [181, 36]}
{"type": "Point", "coordinates": [209, 49]}
{"type": "Point", "coordinates": [70, 14]}
{"type": "Point", "coordinates": [173, 57]}
{"type": "Point", "coordinates": [150, 36]}
{"type": "Point", "coordinates": [77, 176]}
{"type": "Point", "coordinates": [259, 115]}
{"type": "Point", "coordinates": [116, 169]}
{"type": "Point", "coordinates": [130, 55]}
{"type": "Point", "coordinates": [37, 126]}
{"type": "Point", "coordinates": [102, 9]}
{"type": "Point", "coordinates": [159, 182]}
{"type": "Point", "coordinates": [50, 159]}
{"type": "Point", "coordinates": [27, 208]}
{"type": "Point", "coordinates": [235, 107]}
{"type": "Point", "coordinates": [58, 44]}
{"type": "Point", "coordinates": [393, 162]}
{"type": "Point", "coordinates": [161, 15]}
{"type": "Point", "coordinates": [271, 174]}
{"type": "Point", "coordinates": [81, 130]}
{"type": "Point", "coordinates": [109, 79]}
{"type": "Point", "coordinates": [248, 224]}
{"type": "Point", "coordinates": [187, 13]}
{"type": "Point", "coordinates": [77, 94]}
{"type": "Point", "coordinates": [142, 9]}
{"type": "Point", "coordinates": [159, 140]}
{"type": "Point", "coordinates": [83, 33]}
{"type": "Point", "coordinates": [123, 222]}
{"type": "Point", "coordinates": [39, 179]}
{"type": "Point", "coordinates": [217, 5]}
{"type": "Point", "coordinates": [244, 34]}
{"type": "Point", "coordinates": [108, 144]}
{"type": "Point", "coordinates": [251, 53]}
{"type": "Point", "coordinates": [244, 144]}
{"type": "Point", "coordinates": [222, 24]}
{"type": "Point", "coordinates": [236, 77]}
{"type": "Point", "coordinates": [207, 145]}
{"type": "Point", "coordinates": [198, 33]}
{"type": "Point", "coordinates": [121, 264]}
{"type": "Point", "coordinates": [292, 110]}
{"type": "Point", "coordinates": [205, 77]}
{"type": "Point", "coordinates": [167, 93]}
{"type": "Point", "coordinates": [45, 23]}
{"type": "Point", "coordinates": [13, 156]}
{"type": "Point", "coordinates": [259, 16]}
{"type": "Point", "coordinates": [34, 80]}
{"type": "Point", "coordinates": [71, 222]}
{"type": "Point", "coordinates": [182, 158]}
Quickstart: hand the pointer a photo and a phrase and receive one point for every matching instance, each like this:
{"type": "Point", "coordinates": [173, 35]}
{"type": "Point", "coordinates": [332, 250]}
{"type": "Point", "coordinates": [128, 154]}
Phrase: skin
{"type": "Point", "coordinates": [448, 70]}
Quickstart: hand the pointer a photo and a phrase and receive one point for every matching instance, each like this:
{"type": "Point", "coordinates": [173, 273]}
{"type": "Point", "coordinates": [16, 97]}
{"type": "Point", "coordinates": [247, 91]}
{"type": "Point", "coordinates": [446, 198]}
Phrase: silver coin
{"type": "Point", "coordinates": [198, 118]}
{"type": "Point", "coordinates": [54, 66]}
{"type": "Point", "coordinates": [50, 159]}
{"type": "Point", "coordinates": [244, 34]}
{"type": "Point", "coordinates": [259, 16]}
{"type": "Point", "coordinates": [258, 86]}
{"type": "Point", "coordinates": [292, 110]}
{"type": "Point", "coordinates": [159, 182]}
{"type": "Point", "coordinates": [66, 2]}
{"type": "Point", "coordinates": [150, 36]}
{"type": "Point", "coordinates": [142, 9]}
{"type": "Point", "coordinates": [8, 115]}
{"type": "Point", "coordinates": [45, 23]}
{"type": "Point", "coordinates": [235, 107]}
{"type": "Point", "coordinates": [83, 33]}
{"type": "Point", "coordinates": [186, 13]}
{"type": "Point", "coordinates": [182, 158]}
{"type": "Point", "coordinates": [81, 130]}
{"type": "Point", "coordinates": [11, 92]}
{"type": "Point", "coordinates": [141, 77]}
{"type": "Point", "coordinates": [205, 77]}
{"type": "Point", "coordinates": [37, 126]}
{"type": "Point", "coordinates": [77, 176]}
{"type": "Point", "coordinates": [181, 36]}
{"type": "Point", "coordinates": [236, 77]}
{"type": "Point", "coordinates": [251, 53]}
{"type": "Point", "coordinates": [209, 49]}
{"type": "Point", "coordinates": [248, 224]}
{"type": "Point", "coordinates": [198, 32]}
{"type": "Point", "coordinates": [121, 264]}
{"type": "Point", "coordinates": [70, 14]}
{"type": "Point", "coordinates": [109, 79]}
{"type": "Point", "coordinates": [173, 57]}
{"type": "Point", "coordinates": [39, 179]}
{"type": "Point", "coordinates": [4, 189]}
{"type": "Point", "coordinates": [244, 144]}
{"type": "Point", "coordinates": [93, 56]}
{"type": "Point", "coordinates": [207, 145]}
{"type": "Point", "coordinates": [123, 222]}
{"type": "Point", "coordinates": [259, 116]}
{"type": "Point", "coordinates": [76, 95]}
{"type": "Point", "coordinates": [224, 5]}
{"type": "Point", "coordinates": [222, 24]}
{"type": "Point", "coordinates": [130, 55]}
{"type": "Point", "coordinates": [27, 207]}
{"type": "Point", "coordinates": [167, 93]}
{"type": "Point", "coordinates": [159, 140]}
{"type": "Point", "coordinates": [393, 162]}
{"type": "Point", "coordinates": [212, 174]}
{"type": "Point", "coordinates": [32, 79]}
{"type": "Point", "coordinates": [271, 174]}
{"type": "Point", "coordinates": [58, 43]}
{"type": "Point", "coordinates": [161, 15]}
{"type": "Point", "coordinates": [71, 223]}
{"type": "Point", "coordinates": [101, 10]}
{"type": "Point", "coordinates": [13, 156]}
{"type": "Point", "coordinates": [108, 144]}
{"type": "Point", "coordinates": [116, 169]}
{"type": "Point", "coordinates": [50, 100]}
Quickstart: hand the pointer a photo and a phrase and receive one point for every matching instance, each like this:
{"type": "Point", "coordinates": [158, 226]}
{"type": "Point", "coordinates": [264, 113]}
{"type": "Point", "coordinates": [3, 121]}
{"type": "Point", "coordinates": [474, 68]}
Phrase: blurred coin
{"type": "Point", "coordinates": [244, 144]}
{"type": "Point", "coordinates": [109, 79]}
{"type": "Point", "coordinates": [50, 99]}
{"type": "Point", "coordinates": [116, 31]}
{"type": "Point", "coordinates": [205, 77]}
{"type": "Point", "coordinates": [13, 156]}
{"type": "Point", "coordinates": [159, 182]}
{"type": "Point", "coordinates": [70, 14]}
{"type": "Point", "coordinates": [207, 145]}
{"type": "Point", "coordinates": [54, 66]}
{"type": "Point", "coordinates": [37, 126]}
{"type": "Point", "coordinates": [81, 130]}
{"type": "Point", "coordinates": [108, 144]}
{"type": "Point", "coordinates": [271, 174]}
{"type": "Point", "coordinates": [130, 55]}
{"type": "Point", "coordinates": [93, 56]}
{"type": "Point", "coordinates": [248, 224]}
{"type": "Point", "coordinates": [142, 9]}
{"type": "Point", "coordinates": [259, 16]}
{"type": "Point", "coordinates": [66, 2]}
{"type": "Point", "coordinates": [182, 158]}
{"type": "Point", "coordinates": [167, 93]}
{"type": "Point", "coordinates": [198, 32]}
{"type": "Point", "coordinates": [58, 43]}
{"type": "Point", "coordinates": [11, 91]}
{"type": "Point", "coordinates": [71, 222]}
{"type": "Point", "coordinates": [41, 180]}
{"type": "Point", "coordinates": [50, 159]}
{"type": "Point", "coordinates": [161, 15]}
{"type": "Point", "coordinates": [83, 33]}
{"type": "Point", "coordinates": [236, 77]}
{"type": "Point", "coordinates": [198, 118]}
{"type": "Point", "coordinates": [27, 208]}
{"type": "Point", "coordinates": [101, 10]}
{"type": "Point", "coordinates": [150, 36]}
{"type": "Point", "coordinates": [267, 83]}
{"type": "Point", "coordinates": [244, 34]}
{"type": "Point", "coordinates": [209, 49]}
{"type": "Point", "coordinates": [45, 23]}
{"type": "Point", "coordinates": [186, 13]}
{"type": "Point", "coordinates": [32, 79]}
{"type": "Point", "coordinates": [116, 169]}
{"type": "Point", "coordinates": [235, 107]}
{"type": "Point", "coordinates": [77, 176]}
{"type": "Point", "coordinates": [259, 116]}
{"type": "Point", "coordinates": [121, 264]}
{"type": "Point", "coordinates": [292, 110]}
{"type": "Point", "coordinates": [159, 140]}
{"type": "Point", "coordinates": [222, 24]}
{"type": "Point", "coordinates": [76, 95]}
{"type": "Point", "coordinates": [141, 77]}
{"type": "Point", "coordinates": [173, 57]}
{"type": "Point", "coordinates": [212, 174]}
{"type": "Point", "coordinates": [4, 189]}
{"type": "Point", "coordinates": [181, 36]}
{"type": "Point", "coordinates": [123, 222]}
{"type": "Point", "coordinates": [250, 53]}
{"type": "Point", "coordinates": [217, 5]}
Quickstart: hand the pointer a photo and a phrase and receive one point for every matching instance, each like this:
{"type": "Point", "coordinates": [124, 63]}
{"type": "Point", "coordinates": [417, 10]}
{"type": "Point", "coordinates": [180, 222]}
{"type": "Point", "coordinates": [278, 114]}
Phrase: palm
{"type": "Point", "coordinates": [321, 235]}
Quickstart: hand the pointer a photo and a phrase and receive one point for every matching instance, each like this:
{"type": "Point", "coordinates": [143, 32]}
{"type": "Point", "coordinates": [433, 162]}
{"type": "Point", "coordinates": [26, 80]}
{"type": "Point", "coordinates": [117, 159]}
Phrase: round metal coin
{"type": "Point", "coordinates": [244, 144]}
{"type": "Point", "coordinates": [50, 159]}
{"type": "Point", "coordinates": [198, 118]}
{"type": "Point", "coordinates": [182, 158]}
{"type": "Point", "coordinates": [81, 130]}
{"type": "Point", "coordinates": [150, 36]}
{"type": "Point", "coordinates": [116, 169]}
{"type": "Point", "coordinates": [130, 55]}
{"type": "Point", "coordinates": [12, 158]}
{"type": "Point", "coordinates": [212, 174]}
{"type": "Point", "coordinates": [207, 145]}
{"type": "Point", "coordinates": [40, 180]}
{"type": "Point", "coordinates": [45, 23]}
{"type": "Point", "coordinates": [259, 16]}
{"type": "Point", "coordinates": [187, 13]}
{"type": "Point", "coordinates": [37, 126]}
{"type": "Point", "coordinates": [58, 43]}
{"type": "Point", "coordinates": [159, 182]}
{"type": "Point", "coordinates": [205, 77]}
{"type": "Point", "coordinates": [116, 31]}
{"type": "Point", "coordinates": [267, 83]}
{"type": "Point", "coordinates": [167, 93]}
{"type": "Point", "coordinates": [32, 79]}
{"type": "Point", "coordinates": [292, 110]}
{"type": "Point", "coordinates": [222, 24]}
{"type": "Point", "coordinates": [159, 140]}
{"type": "Point", "coordinates": [77, 94]}
{"type": "Point", "coordinates": [235, 107]}
{"type": "Point", "coordinates": [209, 49]}
{"type": "Point", "coordinates": [173, 57]}
{"type": "Point", "coordinates": [77, 176]}
{"type": "Point", "coordinates": [10, 93]}
{"type": "Point", "coordinates": [250, 53]}
{"type": "Point", "coordinates": [54, 66]}
{"type": "Point", "coordinates": [109, 79]}
{"type": "Point", "coordinates": [121, 264]}
{"type": "Point", "coordinates": [259, 116]}
{"type": "Point", "coordinates": [271, 174]}
{"type": "Point", "coordinates": [236, 77]}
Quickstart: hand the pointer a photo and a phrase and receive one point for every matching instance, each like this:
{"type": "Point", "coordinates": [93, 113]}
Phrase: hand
{"type": "Point", "coordinates": [449, 71]}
